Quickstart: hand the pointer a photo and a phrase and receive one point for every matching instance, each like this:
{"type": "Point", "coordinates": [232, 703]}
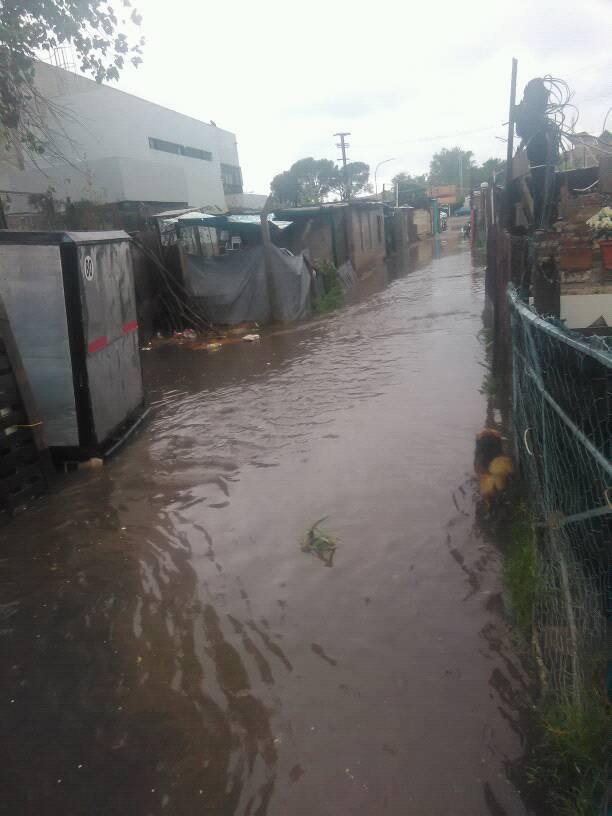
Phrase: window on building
{"type": "Point", "coordinates": [167, 147]}
{"type": "Point", "coordinates": [179, 150]}
{"type": "Point", "coordinates": [379, 227]}
{"type": "Point", "coordinates": [231, 176]}
{"type": "Point", "coordinates": [196, 153]}
{"type": "Point", "coordinates": [369, 217]}
{"type": "Point", "coordinates": [361, 230]}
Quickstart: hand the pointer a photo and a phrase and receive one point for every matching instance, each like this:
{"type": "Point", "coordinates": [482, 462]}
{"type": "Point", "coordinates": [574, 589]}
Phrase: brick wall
{"type": "Point", "coordinates": [367, 237]}
{"type": "Point", "coordinates": [578, 255]}
{"type": "Point", "coordinates": [585, 286]}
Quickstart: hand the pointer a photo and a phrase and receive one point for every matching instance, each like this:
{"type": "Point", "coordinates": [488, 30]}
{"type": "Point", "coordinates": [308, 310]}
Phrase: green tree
{"type": "Point", "coordinates": [32, 28]}
{"type": "Point", "coordinates": [309, 181]}
{"type": "Point", "coordinates": [451, 167]}
{"type": "Point", "coordinates": [351, 180]}
{"type": "Point", "coordinates": [410, 191]}
{"type": "Point", "coordinates": [315, 176]}
{"type": "Point", "coordinates": [285, 188]}
{"type": "Point", "coordinates": [486, 170]}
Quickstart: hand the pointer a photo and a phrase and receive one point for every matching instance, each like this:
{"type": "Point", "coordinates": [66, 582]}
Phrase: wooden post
{"type": "Point", "coordinates": [267, 254]}
{"type": "Point", "coordinates": [546, 288]}
{"type": "Point", "coordinates": [509, 215]}
{"type": "Point", "coordinates": [198, 239]}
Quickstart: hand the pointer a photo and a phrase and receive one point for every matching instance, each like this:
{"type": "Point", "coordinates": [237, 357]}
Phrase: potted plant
{"type": "Point", "coordinates": [601, 229]}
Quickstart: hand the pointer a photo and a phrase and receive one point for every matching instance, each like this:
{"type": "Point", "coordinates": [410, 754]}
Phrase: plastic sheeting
{"type": "Point", "coordinates": [235, 288]}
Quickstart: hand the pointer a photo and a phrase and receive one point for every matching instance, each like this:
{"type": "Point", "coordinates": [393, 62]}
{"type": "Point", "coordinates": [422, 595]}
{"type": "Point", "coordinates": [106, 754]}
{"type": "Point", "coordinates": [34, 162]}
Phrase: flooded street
{"type": "Point", "coordinates": [169, 648]}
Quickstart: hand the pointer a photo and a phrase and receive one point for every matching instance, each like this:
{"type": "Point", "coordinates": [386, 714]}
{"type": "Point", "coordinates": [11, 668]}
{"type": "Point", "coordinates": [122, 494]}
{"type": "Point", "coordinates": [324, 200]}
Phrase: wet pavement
{"type": "Point", "coordinates": [167, 646]}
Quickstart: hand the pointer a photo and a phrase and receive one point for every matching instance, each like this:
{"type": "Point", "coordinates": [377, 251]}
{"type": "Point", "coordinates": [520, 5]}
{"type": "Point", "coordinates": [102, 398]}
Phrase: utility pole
{"type": "Point", "coordinates": [343, 144]}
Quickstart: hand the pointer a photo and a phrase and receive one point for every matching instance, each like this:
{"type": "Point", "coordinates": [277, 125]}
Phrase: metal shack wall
{"type": "Point", "coordinates": [110, 329]}
{"type": "Point", "coordinates": [32, 288]}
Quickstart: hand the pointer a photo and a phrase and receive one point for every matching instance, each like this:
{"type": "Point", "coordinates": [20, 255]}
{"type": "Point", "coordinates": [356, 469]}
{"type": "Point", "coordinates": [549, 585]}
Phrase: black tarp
{"type": "Point", "coordinates": [235, 288]}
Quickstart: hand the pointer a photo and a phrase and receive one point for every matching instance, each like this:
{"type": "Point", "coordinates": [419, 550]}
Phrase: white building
{"type": "Point", "coordinates": [123, 149]}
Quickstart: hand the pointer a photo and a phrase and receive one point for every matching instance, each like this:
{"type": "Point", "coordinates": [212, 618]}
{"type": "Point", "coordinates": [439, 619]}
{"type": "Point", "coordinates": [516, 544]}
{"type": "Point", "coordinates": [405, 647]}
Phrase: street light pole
{"type": "Point", "coordinates": [384, 161]}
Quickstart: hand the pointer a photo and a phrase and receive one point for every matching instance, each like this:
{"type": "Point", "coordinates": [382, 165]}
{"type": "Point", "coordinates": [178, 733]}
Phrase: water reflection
{"type": "Point", "coordinates": [172, 650]}
{"type": "Point", "coordinates": [127, 692]}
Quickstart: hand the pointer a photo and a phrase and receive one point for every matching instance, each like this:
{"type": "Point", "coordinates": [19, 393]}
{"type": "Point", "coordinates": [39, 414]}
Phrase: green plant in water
{"type": "Point", "coordinates": [319, 543]}
{"type": "Point", "coordinates": [569, 760]}
{"type": "Point", "coordinates": [333, 297]}
{"type": "Point", "coordinates": [520, 570]}
{"type": "Point", "coordinates": [490, 384]}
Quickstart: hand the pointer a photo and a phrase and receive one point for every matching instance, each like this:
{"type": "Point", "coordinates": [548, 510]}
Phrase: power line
{"type": "Point", "coordinates": [417, 139]}
{"type": "Point", "coordinates": [459, 133]}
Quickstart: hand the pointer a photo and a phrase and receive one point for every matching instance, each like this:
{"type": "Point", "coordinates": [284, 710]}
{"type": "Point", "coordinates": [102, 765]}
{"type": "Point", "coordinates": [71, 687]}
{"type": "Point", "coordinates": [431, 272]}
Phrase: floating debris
{"type": "Point", "coordinates": [320, 544]}
{"type": "Point", "coordinates": [251, 338]}
{"type": "Point", "coordinates": [91, 464]}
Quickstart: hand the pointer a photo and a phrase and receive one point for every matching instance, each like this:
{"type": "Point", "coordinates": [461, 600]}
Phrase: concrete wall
{"type": "Point", "coordinates": [367, 236]}
{"type": "Point", "coordinates": [422, 222]}
{"type": "Point", "coordinates": [404, 230]}
{"type": "Point", "coordinates": [107, 139]}
{"type": "Point", "coordinates": [358, 235]}
{"type": "Point", "coordinates": [314, 235]}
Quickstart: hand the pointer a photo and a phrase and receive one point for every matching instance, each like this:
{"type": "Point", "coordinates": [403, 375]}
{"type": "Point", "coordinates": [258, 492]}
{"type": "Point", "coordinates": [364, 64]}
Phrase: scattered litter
{"type": "Point", "coordinates": [319, 544]}
{"type": "Point", "coordinates": [148, 347]}
{"type": "Point", "coordinates": [242, 329]}
{"type": "Point", "coordinates": [213, 346]}
{"type": "Point", "coordinates": [190, 334]}
{"type": "Point", "coordinates": [251, 338]}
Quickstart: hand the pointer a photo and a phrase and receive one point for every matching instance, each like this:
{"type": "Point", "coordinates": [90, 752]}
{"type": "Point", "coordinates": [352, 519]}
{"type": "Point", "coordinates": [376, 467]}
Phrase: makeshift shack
{"type": "Point", "coordinates": [245, 286]}
{"type": "Point", "coordinates": [337, 232]}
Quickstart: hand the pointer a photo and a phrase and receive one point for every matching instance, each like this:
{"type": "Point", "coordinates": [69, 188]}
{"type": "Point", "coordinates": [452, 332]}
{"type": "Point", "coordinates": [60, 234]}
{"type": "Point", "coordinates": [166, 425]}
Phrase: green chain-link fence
{"type": "Point", "coordinates": [562, 406]}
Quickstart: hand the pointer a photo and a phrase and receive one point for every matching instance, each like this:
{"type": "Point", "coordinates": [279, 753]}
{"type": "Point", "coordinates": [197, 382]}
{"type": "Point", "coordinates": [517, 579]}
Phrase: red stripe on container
{"type": "Point", "coordinates": [130, 327]}
{"type": "Point", "coordinates": [97, 344]}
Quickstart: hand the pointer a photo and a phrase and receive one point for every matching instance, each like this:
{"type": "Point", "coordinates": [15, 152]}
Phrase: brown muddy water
{"type": "Point", "coordinates": [167, 646]}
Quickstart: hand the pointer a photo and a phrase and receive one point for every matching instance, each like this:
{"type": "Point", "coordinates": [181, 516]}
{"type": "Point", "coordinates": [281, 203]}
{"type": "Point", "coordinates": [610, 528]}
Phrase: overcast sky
{"type": "Point", "coordinates": [405, 78]}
